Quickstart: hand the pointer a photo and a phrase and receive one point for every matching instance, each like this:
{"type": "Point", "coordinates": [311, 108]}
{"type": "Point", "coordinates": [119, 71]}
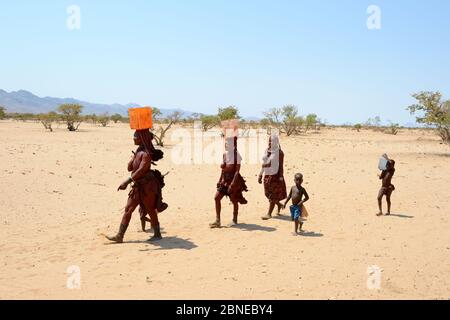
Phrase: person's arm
{"type": "Point", "coordinates": [237, 170]}
{"type": "Point", "coordinates": [383, 174]}
{"type": "Point", "coordinates": [130, 164]}
{"type": "Point", "coordinates": [306, 197]}
{"type": "Point", "coordinates": [236, 175]}
{"type": "Point", "coordinates": [222, 167]}
{"type": "Point", "coordinates": [220, 178]}
{"type": "Point", "coordinates": [144, 165]}
{"type": "Point", "coordinates": [260, 176]}
{"type": "Point", "coordinates": [267, 164]}
{"type": "Point", "coordinates": [288, 198]}
{"type": "Point", "coordinates": [281, 165]}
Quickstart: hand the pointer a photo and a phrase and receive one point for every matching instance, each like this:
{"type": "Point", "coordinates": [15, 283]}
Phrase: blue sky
{"type": "Point", "coordinates": [199, 55]}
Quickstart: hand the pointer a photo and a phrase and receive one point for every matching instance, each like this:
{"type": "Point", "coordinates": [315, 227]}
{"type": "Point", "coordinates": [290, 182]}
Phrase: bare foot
{"type": "Point", "coordinates": [215, 225]}
{"type": "Point", "coordinates": [232, 224]}
{"type": "Point", "coordinates": [279, 209]}
{"type": "Point", "coordinates": [294, 234]}
{"type": "Point", "coordinates": [266, 217]}
{"type": "Point", "coordinates": [388, 214]}
{"type": "Point", "coordinates": [155, 238]}
{"type": "Point", "coordinates": [379, 214]}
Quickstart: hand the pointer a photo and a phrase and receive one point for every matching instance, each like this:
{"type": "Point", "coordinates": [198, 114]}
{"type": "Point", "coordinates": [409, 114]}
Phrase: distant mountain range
{"type": "Point", "coordinates": [25, 102]}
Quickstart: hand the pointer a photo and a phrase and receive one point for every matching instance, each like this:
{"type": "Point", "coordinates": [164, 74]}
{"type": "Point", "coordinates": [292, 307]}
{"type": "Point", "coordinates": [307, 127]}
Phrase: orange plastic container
{"type": "Point", "coordinates": [140, 118]}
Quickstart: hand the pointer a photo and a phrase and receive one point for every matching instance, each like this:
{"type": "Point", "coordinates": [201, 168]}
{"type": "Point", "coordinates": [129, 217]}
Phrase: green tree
{"type": "Point", "coordinates": [292, 122]}
{"type": "Point", "coordinates": [71, 115]}
{"type": "Point", "coordinates": [266, 124]}
{"type": "Point", "coordinates": [209, 121]}
{"type": "Point", "coordinates": [92, 118]}
{"type": "Point", "coordinates": [2, 112]}
{"type": "Point", "coordinates": [373, 122]}
{"type": "Point", "coordinates": [104, 119]}
{"type": "Point", "coordinates": [392, 129]}
{"type": "Point", "coordinates": [23, 116]}
{"type": "Point", "coordinates": [116, 117]}
{"type": "Point", "coordinates": [274, 116]}
{"type": "Point", "coordinates": [228, 113]}
{"type": "Point", "coordinates": [357, 127]}
{"type": "Point", "coordinates": [47, 120]}
{"type": "Point", "coordinates": [311, 121]}
{"type": "Point", "coordinates": [434, 111]}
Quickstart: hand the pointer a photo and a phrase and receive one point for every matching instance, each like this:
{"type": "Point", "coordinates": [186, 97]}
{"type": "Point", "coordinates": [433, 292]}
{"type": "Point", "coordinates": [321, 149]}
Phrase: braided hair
{"type": "Point", "coordinates": [146, 138]}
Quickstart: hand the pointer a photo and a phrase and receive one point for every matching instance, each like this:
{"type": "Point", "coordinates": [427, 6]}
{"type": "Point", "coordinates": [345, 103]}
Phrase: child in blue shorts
{"type": "Point", "coordinates": [299, 196]}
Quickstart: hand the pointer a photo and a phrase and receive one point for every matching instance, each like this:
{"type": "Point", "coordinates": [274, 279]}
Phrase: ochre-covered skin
{"type": "Point", "coordinates": [231, 183]}
{"type": "Point", "coordinates": [146, 187]}
{"type": "Point", "coordinates": [386, 186]}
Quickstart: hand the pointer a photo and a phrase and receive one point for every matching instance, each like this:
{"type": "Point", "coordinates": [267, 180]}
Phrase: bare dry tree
{"type": "Point", "coordinates": [160, 132]}
{"type": "Point", "coordinates": [392, 129]}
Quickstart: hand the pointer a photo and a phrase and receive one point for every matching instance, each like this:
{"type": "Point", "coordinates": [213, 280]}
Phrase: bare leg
{"type": "Point", "coordinates": [235, 212]}
{"type": "Point", "coordinates": [388, 200]}
{"type": "Point", "coordinates": [280, 206]}
{"type": "Point", "coordinates": [129, 208]}
{"type": "Point", "coordinates": [150, 207]}
{"type": "Point", "coordinates": [218, 198]}
{"type": "Point", "coordinates": [269, 213]}
{"type": "Point", "coordinates": [380, 197]}
{"type": "Point", "coordinates": [296, 226]}
{"type": "Point", "coordinates": [142, 213]}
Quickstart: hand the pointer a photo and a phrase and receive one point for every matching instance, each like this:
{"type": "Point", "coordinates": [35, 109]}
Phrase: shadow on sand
{"type": "Point", "coordinates": [253, 227]}
{"type": "Point", "coordinates": [444, 155]}
{"type": "Point", "coordinates": [169, 243]}
{"type": "Point", "coordinates": [166, 243]}
{"type": "Point", "coordinates": [311, 234]}
{"type": "Point", "coordinates": [284, 218]}
{"type": "Point", "coordinates": [399, 215]}
{"type": "Point", "coordinates": [150, 230]}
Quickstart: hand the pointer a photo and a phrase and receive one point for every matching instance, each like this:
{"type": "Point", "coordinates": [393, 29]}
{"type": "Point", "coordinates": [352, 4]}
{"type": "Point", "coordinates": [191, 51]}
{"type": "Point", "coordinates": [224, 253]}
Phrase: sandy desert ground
{"type": "Point", "coordinates": [58, 196]}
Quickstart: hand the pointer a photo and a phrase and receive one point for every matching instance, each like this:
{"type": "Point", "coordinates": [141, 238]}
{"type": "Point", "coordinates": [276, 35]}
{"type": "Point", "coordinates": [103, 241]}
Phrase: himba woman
{"type": "Point", "coordinates": [231, 183]}
{"type": "Point", "coordinates": [273, 173]}
{"type": "Point", "coordinates": [146, 190]}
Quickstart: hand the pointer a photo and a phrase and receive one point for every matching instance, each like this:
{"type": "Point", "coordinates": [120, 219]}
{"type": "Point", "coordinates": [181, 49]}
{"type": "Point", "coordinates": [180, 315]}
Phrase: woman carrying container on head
{"type": "Point", "coordinates": [146, 183]}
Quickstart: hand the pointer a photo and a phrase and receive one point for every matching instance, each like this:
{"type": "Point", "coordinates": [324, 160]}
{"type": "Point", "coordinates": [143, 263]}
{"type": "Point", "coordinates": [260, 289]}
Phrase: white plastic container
{"type": "Point", "coordinates": [382, 165]}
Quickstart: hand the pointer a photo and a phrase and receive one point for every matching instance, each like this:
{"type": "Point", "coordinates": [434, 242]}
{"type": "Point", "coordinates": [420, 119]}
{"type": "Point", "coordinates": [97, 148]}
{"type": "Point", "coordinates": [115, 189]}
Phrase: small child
{"type": "Point", "coordinates": [296, 194]}
{"type": "Point", "coordinates": [386, 185]}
